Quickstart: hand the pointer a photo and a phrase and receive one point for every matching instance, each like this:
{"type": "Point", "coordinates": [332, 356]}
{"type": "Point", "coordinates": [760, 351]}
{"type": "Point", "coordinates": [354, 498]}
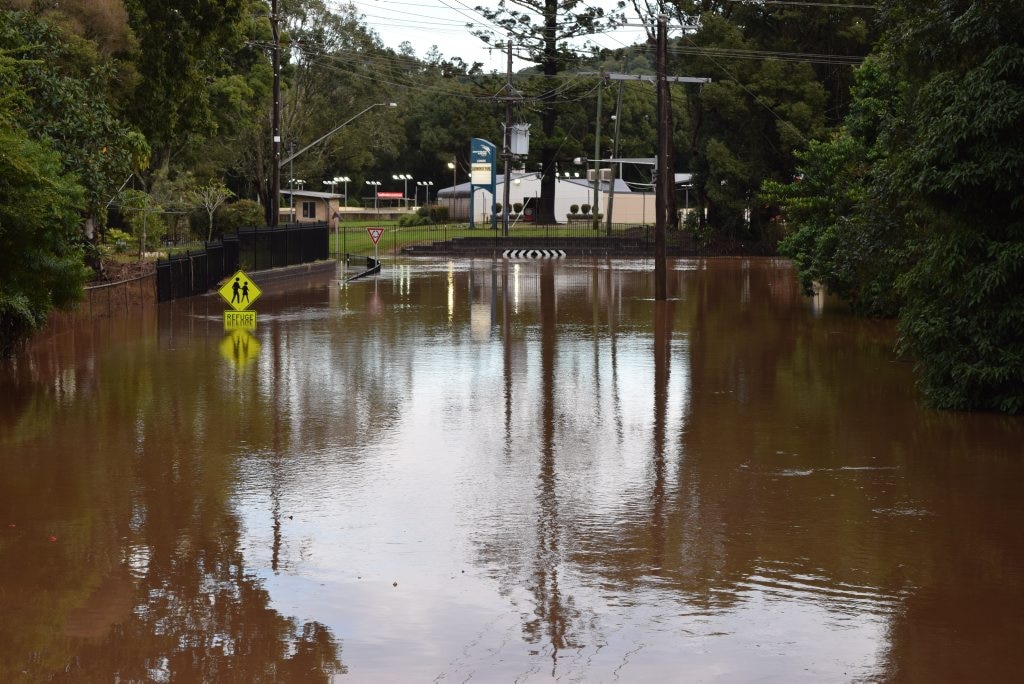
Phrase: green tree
{"type": "Point", "coordinates": [185, 66]}
{"type": "Point", "coordinates": [845, 227]}
{"type": "Point", "coordinates": [40, 254]}
{"type": "Point", "coordinates": [338, 68]}
{"type": "Point", "coordinates": [241, 214]}
{"type": "Point", "coordinates": [542, 31]}
{"type": "Point", "coordinates": [71, 104]}
{"type": "Point", "coordinates": [926, 198]}
{"type": "Point", "coordinates": [960, 163]}
{"type": "Point", "coordinates": [747, 123]}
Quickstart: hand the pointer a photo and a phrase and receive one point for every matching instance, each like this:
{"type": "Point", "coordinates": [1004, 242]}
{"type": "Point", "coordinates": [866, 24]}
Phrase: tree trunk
{"type": "Point", "coordinates": [546, 202]}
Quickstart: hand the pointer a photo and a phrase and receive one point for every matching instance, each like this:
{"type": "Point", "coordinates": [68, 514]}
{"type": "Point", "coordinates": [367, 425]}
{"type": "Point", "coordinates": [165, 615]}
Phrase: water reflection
{"type": "Point", "coordinates": [502, 471]}
{"type": "Point", "coordinates": [120, 556]}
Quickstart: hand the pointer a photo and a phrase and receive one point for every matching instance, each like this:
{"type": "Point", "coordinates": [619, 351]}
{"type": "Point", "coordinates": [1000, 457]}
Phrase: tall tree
{"type": "Point", "coordinates": [938, 165]}
{"type": "Point", "coordinates": [752, 118]}
{"type": "Point", "coordinates": [845, 224]}
{"type": "Point", "coordinates": [181, 56]}
{"type": "Point", "coordinates": [71, 102]}
{"type": "Point", "coordinates": [541, 31]}
{"type": "Point", "coordinates": [40, 248]}
{"type": "Point", "coordinates": [781, 76]}
{"type": "Point", "coordinates": [958, 157]}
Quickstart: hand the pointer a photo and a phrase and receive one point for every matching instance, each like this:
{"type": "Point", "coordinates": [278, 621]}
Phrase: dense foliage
{"type": "Point", "coordinates": [40, 255]}
{"type": "Point", "coordinates": [963, 168]}
{"type": "Point", "coordinates": [915, 206]}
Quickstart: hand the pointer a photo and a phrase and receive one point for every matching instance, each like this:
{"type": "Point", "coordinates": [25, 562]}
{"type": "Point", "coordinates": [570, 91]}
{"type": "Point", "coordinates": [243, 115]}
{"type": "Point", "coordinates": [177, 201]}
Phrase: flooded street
{"type": "Point", "coordinates": [502, 471]}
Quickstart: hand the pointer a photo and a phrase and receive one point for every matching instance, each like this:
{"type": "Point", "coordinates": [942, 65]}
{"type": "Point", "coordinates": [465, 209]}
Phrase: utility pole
{"type": "Point", "coordinates": [506, 152]}
{"type": "Point", "coordinates": [663, 183]}
{"type": "Point", "coordinates": [664, 124]}
{"type": "Point", "coordinates": [597, 154]}
{"type": "Point", "coordinates": [275, 171]}
{"type": "Point", "coordinates": [615, 155]}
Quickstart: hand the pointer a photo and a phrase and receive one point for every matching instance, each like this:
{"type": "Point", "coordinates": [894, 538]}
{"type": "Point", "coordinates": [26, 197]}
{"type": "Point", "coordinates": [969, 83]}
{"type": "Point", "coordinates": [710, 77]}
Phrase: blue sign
{"type": "Point", "coordinates": [483, 157]}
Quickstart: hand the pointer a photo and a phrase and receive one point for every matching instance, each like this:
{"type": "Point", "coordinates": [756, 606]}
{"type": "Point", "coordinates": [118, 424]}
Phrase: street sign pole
{"type": "Point", "coordinates": [375, 234]}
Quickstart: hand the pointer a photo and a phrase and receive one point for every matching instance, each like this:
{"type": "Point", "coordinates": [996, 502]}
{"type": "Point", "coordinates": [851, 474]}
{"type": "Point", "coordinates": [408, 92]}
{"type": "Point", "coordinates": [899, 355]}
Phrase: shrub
{"type": "Point", "coordinates": [118, 240]}
{"type": "Point", "coordinates": [574, 209]}
{"type": "Point", "coordinates": [408, 220]}
{"type": "Point", "coordinates": [517, 207]}
{"type": "Point", "coordinates": [585, 209]}
{"type": "Point", "coordinates": [241, 214]}
{"type": "Point", "coordinates": [438, 213]}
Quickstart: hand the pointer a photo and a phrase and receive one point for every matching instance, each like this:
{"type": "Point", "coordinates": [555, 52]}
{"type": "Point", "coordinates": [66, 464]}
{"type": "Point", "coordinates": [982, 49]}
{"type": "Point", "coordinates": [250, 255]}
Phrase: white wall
{"type": "Point", "coordinates": [629, 207]}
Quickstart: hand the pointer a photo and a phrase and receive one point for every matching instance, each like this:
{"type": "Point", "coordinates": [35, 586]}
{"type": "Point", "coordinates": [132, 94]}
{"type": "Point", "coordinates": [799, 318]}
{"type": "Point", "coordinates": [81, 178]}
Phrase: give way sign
{"type": "Point", "coordinates": [375, 234]}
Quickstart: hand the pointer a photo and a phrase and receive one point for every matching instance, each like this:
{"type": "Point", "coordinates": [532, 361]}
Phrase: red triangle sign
{"type": "Point", "coordinates": [375, 234]}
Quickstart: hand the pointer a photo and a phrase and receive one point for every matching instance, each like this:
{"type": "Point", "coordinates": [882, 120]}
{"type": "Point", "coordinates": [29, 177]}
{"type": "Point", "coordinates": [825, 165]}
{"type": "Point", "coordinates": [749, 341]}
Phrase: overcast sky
{"type": "Point", "coordinates": [425, 23]}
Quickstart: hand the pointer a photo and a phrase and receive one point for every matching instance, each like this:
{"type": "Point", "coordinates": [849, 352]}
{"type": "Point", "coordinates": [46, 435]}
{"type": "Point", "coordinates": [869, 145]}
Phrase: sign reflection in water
{"type": "Point", "coordinates": [507, 472]}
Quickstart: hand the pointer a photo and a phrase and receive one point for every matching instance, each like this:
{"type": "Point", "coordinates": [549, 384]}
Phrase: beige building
{"type": "Point", "coordinates": [310, 207]}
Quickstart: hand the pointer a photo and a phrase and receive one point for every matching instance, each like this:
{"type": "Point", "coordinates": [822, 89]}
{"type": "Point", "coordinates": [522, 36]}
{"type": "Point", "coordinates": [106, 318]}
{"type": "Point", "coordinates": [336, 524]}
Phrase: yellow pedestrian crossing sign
{"type": "Point", "coordinates": [239, 292]}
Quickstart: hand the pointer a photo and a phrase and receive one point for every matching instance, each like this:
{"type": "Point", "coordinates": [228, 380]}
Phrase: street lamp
{"type": "Point", "coordinates": [292, 182]}
{"type": "Point", "coordinates": [405, 178]}
{"type": "Point", "coordinates": [291, 172]}
{"type": "Point", "coordinates": [301, 183]}
{"type": "Point", "coordinates": [376, 189]}
{"type": "Point", "coordinates": [346, 180]}
{"type": "Point", "coordinates": [426, 185]}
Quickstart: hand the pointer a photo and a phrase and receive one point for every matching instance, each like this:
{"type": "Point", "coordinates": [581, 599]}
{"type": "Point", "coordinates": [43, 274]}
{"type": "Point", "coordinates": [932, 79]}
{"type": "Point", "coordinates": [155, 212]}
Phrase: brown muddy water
{"type": "Point", "coordinates": [502, 471]}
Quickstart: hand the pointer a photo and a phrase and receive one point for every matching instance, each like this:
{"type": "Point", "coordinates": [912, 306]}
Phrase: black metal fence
{"type": "Point", "coordinates": [250, 249]}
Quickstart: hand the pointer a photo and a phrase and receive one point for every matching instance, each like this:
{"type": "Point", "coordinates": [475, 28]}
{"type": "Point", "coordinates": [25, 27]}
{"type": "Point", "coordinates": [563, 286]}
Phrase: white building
{"type": "Point", "coordinates": [628, 206]}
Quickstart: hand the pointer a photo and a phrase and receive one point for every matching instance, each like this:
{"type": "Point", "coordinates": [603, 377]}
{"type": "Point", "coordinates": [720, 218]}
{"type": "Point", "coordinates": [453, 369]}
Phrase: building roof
{"type": "Point", "coordinates": [311, 193]}
{"type": "Point", "coordinates": [462, 189]}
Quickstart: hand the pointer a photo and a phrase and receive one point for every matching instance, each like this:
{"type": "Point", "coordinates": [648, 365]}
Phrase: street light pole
{"type": "Point", "coordinates": [405, 178]}
{"type": "Point", "coordinates": [426, 191]}
{"type": "Point", "coordinates": [291, 179]}
{"type": "Point", "coordinates": [275, 125]}
{"type": "Point", "coordinates": [376, 188]}
{"type": "Point", "coordinates": [346, 180]}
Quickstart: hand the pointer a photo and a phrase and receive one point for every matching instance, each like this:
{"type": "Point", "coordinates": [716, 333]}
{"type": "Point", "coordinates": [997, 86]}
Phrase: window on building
{"type": "Point", "coordinates": [309, 210]}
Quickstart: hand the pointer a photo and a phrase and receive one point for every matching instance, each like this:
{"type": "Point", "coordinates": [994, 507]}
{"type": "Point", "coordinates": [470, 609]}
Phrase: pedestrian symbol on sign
{"type": "Point", "coordinates": [239, 292]}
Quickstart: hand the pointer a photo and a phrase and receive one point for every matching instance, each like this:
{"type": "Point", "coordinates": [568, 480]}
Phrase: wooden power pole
{"type": "Point", "coordinates": [664, 179]}
{"type": "Point", "coordinates": [275, 171]}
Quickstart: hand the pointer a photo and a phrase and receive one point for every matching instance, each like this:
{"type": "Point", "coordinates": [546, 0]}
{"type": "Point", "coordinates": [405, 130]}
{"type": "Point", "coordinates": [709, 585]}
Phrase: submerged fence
{"type": "Point", "coordinates": [250, 249]}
